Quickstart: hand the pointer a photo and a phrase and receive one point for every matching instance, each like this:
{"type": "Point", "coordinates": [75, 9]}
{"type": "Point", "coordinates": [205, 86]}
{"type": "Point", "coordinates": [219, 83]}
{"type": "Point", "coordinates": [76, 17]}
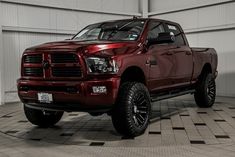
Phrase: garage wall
{"type": "Point", "coordinates": [208, 23]}
{"type": "Point", "coordinates": [1, 62]}
{"type": "Point", "coordinates": [26, 23]}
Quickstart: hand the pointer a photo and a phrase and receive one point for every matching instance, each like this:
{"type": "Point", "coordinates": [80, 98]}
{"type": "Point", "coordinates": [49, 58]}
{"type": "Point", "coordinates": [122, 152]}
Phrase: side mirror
{"type": "Point", "coordinates": [166, 37]}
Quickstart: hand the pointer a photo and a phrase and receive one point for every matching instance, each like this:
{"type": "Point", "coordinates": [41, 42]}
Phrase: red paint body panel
{"type": "Point", "coordinates": [175, 67]}
{"type": "Point", "coordinates": [82, 100]}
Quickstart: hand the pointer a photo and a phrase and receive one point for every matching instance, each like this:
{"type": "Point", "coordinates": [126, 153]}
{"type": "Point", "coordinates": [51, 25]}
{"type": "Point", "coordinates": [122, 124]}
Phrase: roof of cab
{"type": "Point", "coordinates": [141, 19]}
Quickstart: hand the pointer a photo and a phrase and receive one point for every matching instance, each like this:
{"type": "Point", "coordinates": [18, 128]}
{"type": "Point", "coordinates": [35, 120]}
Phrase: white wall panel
{"type": "Point", "coordinates": [214, 16]}
{"type": "Point", "coordinates": [1, 62]}
{"type": "Point", "coordinates": [230, 12]}
{"type": "Point", "coordinates": [47, 18]}
{"type": "Point", "coordinates": [113, 6]}
{"type": "Point", "coordinates": [66, 20]}
{"type": "Point", "coordinates": [89, 4]}
{"type": "Point", "coordinates": [131, 5]}
{"type": "Point", "coordinates": [40, 2]}
{"type": "Point", "coordinates": [62, 3]}
{"type": "Point", "coordinates": [53, 19]}
{"type": "Point", "coordinates": [167, 5]}
{"type": "Point", "coordinates": [188, 20]}
{"type": "Point", "coordinates": [93, 18]}
{"type": "Point", "coordinates": [9, 14]}
{"type": "Point", "coordinates": [110, 5]}
{"type": "Point", "coordinates": [33, 17]}
{"type": "Point", "coordinates": [161, 6]}
{"type": "Point", "coordinates": [11, 59]}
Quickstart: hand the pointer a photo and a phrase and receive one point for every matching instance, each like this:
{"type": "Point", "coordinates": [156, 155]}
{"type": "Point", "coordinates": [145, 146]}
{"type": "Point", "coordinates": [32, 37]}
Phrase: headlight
{"type": "Point", "coordinates": [98, 65]}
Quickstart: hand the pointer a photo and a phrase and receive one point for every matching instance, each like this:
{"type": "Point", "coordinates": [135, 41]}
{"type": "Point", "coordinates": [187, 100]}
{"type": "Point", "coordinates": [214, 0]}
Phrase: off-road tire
{"type": "Point", "coordinates": [43, 119]}
{"type": "Point", "coordinates": [205, 91]}
{"type": "Point", "coordinates": [132, 110]}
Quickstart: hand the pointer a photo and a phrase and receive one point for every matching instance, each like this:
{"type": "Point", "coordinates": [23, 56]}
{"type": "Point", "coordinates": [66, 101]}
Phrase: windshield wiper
{"type": "Point", "coordinates": [118, 29]}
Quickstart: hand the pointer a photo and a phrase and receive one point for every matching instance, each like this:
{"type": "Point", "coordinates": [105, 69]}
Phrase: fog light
{"type": "Point", "coordinates": [99, 89]}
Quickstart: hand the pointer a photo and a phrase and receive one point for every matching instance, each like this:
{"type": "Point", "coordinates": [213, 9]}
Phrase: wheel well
{"type": "Point", "coordinates": [206, 69]}
{"type": "Point", "coordinates": [133, 74]}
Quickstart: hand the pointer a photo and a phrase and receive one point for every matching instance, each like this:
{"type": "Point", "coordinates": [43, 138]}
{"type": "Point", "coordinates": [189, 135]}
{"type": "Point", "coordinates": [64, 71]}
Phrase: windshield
{"type": "Point", "coordinates": [112, 31]}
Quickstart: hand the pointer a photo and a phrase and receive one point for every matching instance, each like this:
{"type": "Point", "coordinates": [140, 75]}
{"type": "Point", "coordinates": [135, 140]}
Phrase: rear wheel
{"type": "Point", "coordinates": [41, 118]}
{"type": "Point", "coordinates": [205, 91]}
{"type": "Point", "coordinates": [132, 110]}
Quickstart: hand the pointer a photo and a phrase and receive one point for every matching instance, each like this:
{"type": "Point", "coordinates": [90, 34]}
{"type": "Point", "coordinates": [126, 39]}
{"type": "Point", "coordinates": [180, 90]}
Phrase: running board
{"type": "Point", "coordinates": [157, 97]}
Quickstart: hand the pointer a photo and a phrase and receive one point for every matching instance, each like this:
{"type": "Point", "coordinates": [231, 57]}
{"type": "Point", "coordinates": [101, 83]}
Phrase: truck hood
{"type": "Point", "coordinates": [88, 47]}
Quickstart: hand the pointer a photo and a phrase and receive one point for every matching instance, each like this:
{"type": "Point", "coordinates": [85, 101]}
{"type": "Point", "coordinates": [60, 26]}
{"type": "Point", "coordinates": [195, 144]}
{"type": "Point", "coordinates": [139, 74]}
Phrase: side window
{"type": "Point", "coordinates": [179, 40]}
{"type": "Point", "coordinates": [154, 29]}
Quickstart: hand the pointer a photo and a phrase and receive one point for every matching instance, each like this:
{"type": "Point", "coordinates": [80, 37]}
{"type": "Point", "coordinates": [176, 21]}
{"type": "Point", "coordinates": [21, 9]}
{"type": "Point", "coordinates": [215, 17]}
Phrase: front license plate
{"type": "Point", "coordinates": [45, 98]}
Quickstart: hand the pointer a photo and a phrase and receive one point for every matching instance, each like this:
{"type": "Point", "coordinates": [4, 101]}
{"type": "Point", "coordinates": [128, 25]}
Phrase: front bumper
{"type": "Point", "coordinates": [69, 95]}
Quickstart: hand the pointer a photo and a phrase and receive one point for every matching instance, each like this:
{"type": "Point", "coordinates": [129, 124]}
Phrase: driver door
{"type": "Point", "coordinates": [160, 60]}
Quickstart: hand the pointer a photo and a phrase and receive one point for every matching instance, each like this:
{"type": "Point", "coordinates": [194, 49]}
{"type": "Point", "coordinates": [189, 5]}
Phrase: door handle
{"type": "Point", "coordinates": [169, 53]}
{"type": "Point", "coordinates": [188, 53]}
{"type": "Point", "coordinates": [151, 62]}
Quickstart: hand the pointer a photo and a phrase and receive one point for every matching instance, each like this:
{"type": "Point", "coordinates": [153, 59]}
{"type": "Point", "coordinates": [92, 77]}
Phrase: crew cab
{"type": "Point", "coordinates": [115, 67]}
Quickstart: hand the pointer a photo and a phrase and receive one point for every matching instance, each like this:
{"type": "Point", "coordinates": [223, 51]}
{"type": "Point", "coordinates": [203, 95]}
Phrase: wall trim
{"type": "Point", "coordinates": [210, 29]}
{"type": "Point", "coordinates": [190, 8]}
{"type": "Point", "coordinates": [38, 30]}
{"type": "Point", "coordinates": [33, 4]}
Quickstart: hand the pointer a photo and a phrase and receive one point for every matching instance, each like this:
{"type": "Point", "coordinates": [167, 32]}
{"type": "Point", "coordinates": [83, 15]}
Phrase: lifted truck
{"type": "Point", "coordinates": [115, 67]}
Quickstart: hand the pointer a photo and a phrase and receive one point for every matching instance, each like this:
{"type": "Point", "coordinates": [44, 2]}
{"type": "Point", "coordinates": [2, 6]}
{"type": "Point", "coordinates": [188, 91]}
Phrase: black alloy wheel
{"type": "Point", "coordinates": [132, 110]}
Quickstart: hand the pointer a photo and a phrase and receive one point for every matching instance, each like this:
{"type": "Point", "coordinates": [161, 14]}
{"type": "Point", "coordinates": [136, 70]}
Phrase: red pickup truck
{"type": "Point", "coordinates": [115, 67]}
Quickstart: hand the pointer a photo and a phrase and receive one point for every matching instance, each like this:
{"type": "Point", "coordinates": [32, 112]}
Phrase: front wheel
{"type": "Point", "coordinates": [131, 113]}
{"type": "Point", "coordinates": [41, 118]}
{"type": "Point", "coordinates": [205, 91]}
